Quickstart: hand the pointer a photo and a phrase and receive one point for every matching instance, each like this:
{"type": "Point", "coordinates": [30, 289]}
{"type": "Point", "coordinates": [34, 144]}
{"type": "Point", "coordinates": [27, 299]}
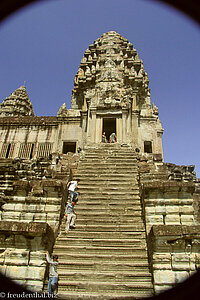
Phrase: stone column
{"type": "Point", "coordinates": [159, 142]}
{"type": "Point", "coordinates": [84, 126]}
{"type": "Point", "coordinates": [119, 129]}
{"type": "Point", "coordinates": [99, 129]}
{"type": "Point", "coordinates": [129, 126]}
{"type": "Point", "coordinates": [134, 122]}
{"type": "Point", "coordinates": [124, 125]}
{"type": "Point", "coordinates": [93, 125]}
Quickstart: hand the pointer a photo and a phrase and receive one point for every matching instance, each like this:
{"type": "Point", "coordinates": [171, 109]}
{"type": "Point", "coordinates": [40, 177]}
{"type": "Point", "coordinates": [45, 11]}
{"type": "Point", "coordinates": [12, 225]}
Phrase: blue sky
{"type": "Point", "coordinates": [44, 43]}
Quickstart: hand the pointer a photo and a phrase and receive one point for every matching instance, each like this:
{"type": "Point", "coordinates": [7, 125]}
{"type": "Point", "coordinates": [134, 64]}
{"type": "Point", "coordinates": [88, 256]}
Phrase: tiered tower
{"type": "Point", "coordinates": [111, 89]}
{"type": "Point", "coordinates": [138, 217]}
{"type": "Point", "coordinates": [17, 104]}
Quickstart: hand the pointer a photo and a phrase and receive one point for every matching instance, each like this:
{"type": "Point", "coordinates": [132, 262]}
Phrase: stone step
{"type": "Point", "coordinates": [120, 295]}
{"type": "Point", "coordinates": [111, 191]}
{"type": "Point", "coordinates": [116, 199]}
{"type": "Point", "coordinates": [134, 260]}
{"type": "Point", "coordinates": [104, 168]}
{"type": "Point", "coordinates": [107, 173]}
{"type": "Point", "coordinates": [102, 156]}
{"type": "Point", "coordinates": [96, 204]}
{"type": "Point", "coordinates": [107, 181]}
{"type": "Point", "coordinates": [108, 152]}
{"type": "Point", "coordinates": [109, 221]}
{"type": "Point", "coordinates": [114, 205]}
{"type": "Point", "coordinates": [92, 212]}
{"type": "Point", "coordinates": [106, 235]}
{"type": "Point", "coordinates": [94, 242]}
{"type": "Point", "coordinates": [101, 286]}
{"type": "Point", "coordinates": [102, 265]}
{"type": "Point", "coordinates": [99, 249]}
{"type": "Point", "coordinates": [119, 228]}
{"type": "Point", "coordinates": [105, 276]}
{"type": "Point", "coordinates": [124, 217]}
{"type": "Point", "coordinates": [109, 185]}
{"type": "Point", "coordinates": [109, 161]}
{"type": "Point", "coordinates": [103, 164]}
{"type": "Point", "coordinates": [93, 183]}
{"type": "Point", "coordinates": [113, 176]}
{"type": "Point", "coordinates": [114, 193]}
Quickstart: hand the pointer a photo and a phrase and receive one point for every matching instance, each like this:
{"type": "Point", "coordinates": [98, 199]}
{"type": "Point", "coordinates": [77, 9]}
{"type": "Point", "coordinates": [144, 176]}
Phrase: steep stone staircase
{"type": "Point", "coordinates": [105, 257]}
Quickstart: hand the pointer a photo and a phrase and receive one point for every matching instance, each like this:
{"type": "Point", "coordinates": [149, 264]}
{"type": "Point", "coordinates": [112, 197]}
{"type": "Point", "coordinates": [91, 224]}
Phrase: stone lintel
{"type": "Point", "coordinates": [36, 183]}
{"type": "Point", "coordinates": [27, 228]}
{"type": "Point", "coordinates": [38, 121]}
{"type": "Point", "coordinates": [167, 185]}
{"type": "Point", "coordinates": [180, 231]}
{"type": "Point", "coordinates": [29, 121]}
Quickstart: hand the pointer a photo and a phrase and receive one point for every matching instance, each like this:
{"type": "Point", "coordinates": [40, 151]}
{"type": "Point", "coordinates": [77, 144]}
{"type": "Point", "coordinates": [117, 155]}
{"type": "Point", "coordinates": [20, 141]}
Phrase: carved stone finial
{"type": "Point", "coordinates": [17, 104]}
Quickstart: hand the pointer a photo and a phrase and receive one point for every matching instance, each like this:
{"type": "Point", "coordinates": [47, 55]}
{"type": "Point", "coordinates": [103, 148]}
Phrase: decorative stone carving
{"type": "Point", "coordinates": [17, 104]}
{"type": "Point", "coordinates": [62, 109]}
{"type": "Point", "coordinates": [115, 61]}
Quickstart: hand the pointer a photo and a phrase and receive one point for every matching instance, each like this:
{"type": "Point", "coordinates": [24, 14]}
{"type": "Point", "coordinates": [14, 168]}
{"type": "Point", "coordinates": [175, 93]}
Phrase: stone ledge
{"type": "Point", "coordinates": [37, 120]}
{"type": "Point", "coordinates": [34, 183]}
{"type": "Point", "coordinates": [166, 185]}
{"type": "Point", "coordinates": [30, 228]}
{"type": "Point", "coordinates": [175, 230]}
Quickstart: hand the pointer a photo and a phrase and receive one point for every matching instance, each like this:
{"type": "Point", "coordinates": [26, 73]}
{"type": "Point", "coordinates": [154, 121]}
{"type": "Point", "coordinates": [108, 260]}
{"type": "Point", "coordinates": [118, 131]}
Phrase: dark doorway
{"type": "Point", "coordinates": [148, 147]}
{"type": "Point", "coordinates": [109, 126]}
{"type": "Point", "coordinates": [69, 147]}
{"type": "Point", "coordinates": [8, 150]}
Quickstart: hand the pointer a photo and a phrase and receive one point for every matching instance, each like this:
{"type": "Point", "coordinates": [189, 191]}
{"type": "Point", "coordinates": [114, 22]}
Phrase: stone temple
{"type": "Point", "coordinates": [137, 231]}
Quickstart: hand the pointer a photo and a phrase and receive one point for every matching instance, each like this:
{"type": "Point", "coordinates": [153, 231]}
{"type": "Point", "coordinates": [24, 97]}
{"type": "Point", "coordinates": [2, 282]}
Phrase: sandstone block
{"type": "Point", "coordinates": [155, 219]}
{"type": "Point", "coordinates": [162, 261]}
{"type": "Point", "coordinates": [52, 208]}
{"type": "Point", "coordinates": [172, 209]}
{"type": "Point", "coordinates": [15, 216]}
{"type": "Point", "coordinates": [34, 285]}
{"type": "Point", "coordinates": [187, 220]}
{"type": "Point", "coordinates": [37, 258]}
{"type": "Point", "coordinates": [16, 257]}
{"type": "Point", "coordinates": [161, 288]}
{"type": "Point", "coordinates": [186, 209]}
{"type": "Point", "coordinates": [40, 217]}
{"type": "Point", "coordinates": [164, 276]}
{"type": "Point", "coordinates": [160, 209]}
{"type": "Point", "coordinates": [9, 206]}
{"type": "Point", "coordinates": [3, 269]}
{"type": "Point", "coordinates": [181, 276]}
{"type": "Point", "coordinates": [21, 272]}
{"type": "Point", "coordinates": [172, 219]}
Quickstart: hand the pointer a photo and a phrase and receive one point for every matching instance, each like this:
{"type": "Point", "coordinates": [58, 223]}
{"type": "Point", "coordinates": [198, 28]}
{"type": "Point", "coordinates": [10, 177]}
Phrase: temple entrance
{"type": "Point", "coordinates": [109, 126]}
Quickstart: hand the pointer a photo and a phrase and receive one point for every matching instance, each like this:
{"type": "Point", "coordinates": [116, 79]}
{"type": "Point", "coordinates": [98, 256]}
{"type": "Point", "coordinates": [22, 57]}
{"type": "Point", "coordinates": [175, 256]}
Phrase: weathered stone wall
{"type": "Point", "coordinates": [150, 130]}
{"type": "Point", "coordinates": [34, 137]}
{"type": "Point", "coordinates": [32, 200]}
{"type": "Point", "coordinates": [170, 200]}
{"type": "Point", "coordinates": [168, 203]}
{"type": "Point", "coordinates": [174, 252]}
{"type": "Point", "coordinates": [22, 251]}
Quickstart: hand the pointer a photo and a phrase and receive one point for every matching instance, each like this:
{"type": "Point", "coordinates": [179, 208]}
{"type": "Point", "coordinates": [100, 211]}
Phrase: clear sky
{"type": "Point", "coordinates": [43, 44]}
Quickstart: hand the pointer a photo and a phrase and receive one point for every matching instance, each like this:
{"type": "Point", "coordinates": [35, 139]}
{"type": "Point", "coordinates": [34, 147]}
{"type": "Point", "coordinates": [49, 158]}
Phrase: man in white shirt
{"type": "Point", "coordinates": [70, 215]}
{"type": "Point", "coordinates": [72, 186]}
{"type": "Point", "coordinates": [53, 274]}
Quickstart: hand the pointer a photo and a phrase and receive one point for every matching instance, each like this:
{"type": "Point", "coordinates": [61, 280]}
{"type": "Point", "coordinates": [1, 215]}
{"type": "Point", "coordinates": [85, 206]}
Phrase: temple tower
{"type": "Point", "coordinates": [17, 104]}
{"type": "Point", "coordinates": [111, 91]}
